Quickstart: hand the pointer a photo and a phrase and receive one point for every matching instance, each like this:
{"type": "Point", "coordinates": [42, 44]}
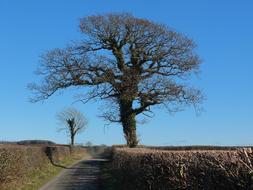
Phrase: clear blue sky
{"type": "Point", "coordinates": [223, 31]}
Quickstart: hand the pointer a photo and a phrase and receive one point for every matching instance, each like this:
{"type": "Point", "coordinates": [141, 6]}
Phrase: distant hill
{"type": "Point", "coordinates": [8, 142]}
{"type": "Point", "coordinates": [32, 142]}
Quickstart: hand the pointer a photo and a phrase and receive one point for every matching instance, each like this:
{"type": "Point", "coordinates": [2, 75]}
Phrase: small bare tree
{"type": "Point", "coordinates": [74, 122]}
{"type": "Point", "coordinates": [134, 63]}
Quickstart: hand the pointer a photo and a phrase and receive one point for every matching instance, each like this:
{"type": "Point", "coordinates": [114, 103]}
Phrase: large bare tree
{"type": "Point", "coordinates": [134, 63]}
{"type": "Point", "coordinates": [73, 122]}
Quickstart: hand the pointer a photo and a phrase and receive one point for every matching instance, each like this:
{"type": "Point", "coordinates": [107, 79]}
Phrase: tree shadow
{"type": "Point", "coordinates": [49, 154]}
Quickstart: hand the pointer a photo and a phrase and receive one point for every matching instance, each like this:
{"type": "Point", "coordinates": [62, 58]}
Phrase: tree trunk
{"type": "Point", "coordinates": [129, 128]}
{"type": "Point", "coordinates": [72, 139]}
{"type": "Point", "coordinates": [129, 123]}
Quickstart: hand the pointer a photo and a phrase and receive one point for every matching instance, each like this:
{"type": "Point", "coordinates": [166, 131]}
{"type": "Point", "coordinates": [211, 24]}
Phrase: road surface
{"type": "Point", "coordinates": [81, 176]}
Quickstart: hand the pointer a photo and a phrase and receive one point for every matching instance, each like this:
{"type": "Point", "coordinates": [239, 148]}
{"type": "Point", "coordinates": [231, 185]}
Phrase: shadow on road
{"type": "Point", "coordinates": [82, 176]}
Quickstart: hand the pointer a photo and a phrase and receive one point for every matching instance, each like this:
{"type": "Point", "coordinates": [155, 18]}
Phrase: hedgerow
{"type": "Point", "coordinates": [151, 169]}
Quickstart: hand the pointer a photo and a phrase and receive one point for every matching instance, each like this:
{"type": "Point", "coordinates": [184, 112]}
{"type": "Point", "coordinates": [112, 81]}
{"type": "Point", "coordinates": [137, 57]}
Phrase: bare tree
{"type": "Point", "coordinates": [74, 122]}
{"type": "Point", "coordinates": [133, 63]}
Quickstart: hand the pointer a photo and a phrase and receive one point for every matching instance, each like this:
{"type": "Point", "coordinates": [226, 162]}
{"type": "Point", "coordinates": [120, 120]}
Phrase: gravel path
{"type": "Point", "coordinates": [81, 176]}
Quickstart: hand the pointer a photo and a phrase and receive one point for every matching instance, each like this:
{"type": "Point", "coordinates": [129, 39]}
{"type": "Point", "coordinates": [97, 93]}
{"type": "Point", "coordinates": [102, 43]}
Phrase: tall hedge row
{"type": "Point", "coordinates": [150, 169]}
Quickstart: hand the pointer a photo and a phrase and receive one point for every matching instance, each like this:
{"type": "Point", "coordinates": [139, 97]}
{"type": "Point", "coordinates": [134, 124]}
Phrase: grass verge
{"type": "Point", "coordinates": [107, 181]}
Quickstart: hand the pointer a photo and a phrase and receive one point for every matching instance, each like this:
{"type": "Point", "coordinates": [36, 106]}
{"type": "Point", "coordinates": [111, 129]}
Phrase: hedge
{"type": "Point", "coordinates": [151, 169]}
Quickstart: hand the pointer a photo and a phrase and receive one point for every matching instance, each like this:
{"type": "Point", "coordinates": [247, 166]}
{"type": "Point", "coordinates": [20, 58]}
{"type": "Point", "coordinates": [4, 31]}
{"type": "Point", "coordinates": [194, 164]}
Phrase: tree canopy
{"type": "Point", "coordinates": [73, 122]}
{"type": "Point", "coordinates": [134, 63]}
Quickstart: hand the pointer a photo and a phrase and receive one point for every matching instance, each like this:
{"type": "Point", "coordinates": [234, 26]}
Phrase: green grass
{"type": "Point", "coordinates": [108, 182]}
{"type": "Point", "coordinates": [39, 177]}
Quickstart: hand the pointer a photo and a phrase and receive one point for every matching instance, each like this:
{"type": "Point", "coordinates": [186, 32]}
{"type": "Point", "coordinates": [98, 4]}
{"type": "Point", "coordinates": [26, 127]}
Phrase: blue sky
{"type": "Point", "coordinates": [221, 29]}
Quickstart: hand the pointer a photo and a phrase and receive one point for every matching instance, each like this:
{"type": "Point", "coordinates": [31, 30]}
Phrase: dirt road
{"type": "Point", "coordinates": [81, 176]}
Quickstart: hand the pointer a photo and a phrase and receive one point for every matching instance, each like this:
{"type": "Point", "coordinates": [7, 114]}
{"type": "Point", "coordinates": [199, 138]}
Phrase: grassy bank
{"type": "Point", "coordinates": [107, 179]}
